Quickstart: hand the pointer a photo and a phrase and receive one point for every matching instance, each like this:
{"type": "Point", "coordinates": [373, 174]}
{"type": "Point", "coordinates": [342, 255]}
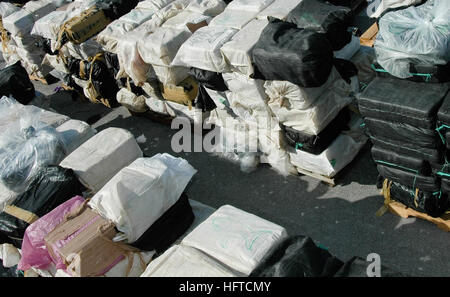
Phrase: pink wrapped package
{"type": "Point", "coordinates": [34, 251]}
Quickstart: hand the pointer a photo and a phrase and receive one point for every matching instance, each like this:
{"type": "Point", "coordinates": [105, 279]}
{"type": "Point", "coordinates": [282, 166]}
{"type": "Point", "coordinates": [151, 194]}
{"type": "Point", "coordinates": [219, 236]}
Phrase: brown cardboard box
{"type": "Point", "coordinates": [184, 93]}
{"type": "Point", "coordinates": [368, 38]}
{"type": "Point", "coordinates": [85, 251]}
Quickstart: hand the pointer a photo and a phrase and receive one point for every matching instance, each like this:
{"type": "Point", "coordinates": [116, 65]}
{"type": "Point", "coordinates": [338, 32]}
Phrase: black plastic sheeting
{"type": "Point", "coordinates": [15, 82]}
{"type": "Point", "coordinates": [168, 228]}
{"type": "Point", "coordinates": [392, 159]}
{"type": "Point", "coordinates": [410, 179]}
{"type": "Point", "coordinates": [112, 63]}
{"type": "Point", "coordinates": [357, 267]}
{"type": "Point", "coordinates": [326, 18]}
{"type": "Point", "coordinates": [297, 256]}
{"type": "Point", "coordinates": [434, 204]}
{"type": "Point", "coordinates": [210, 80]}
{"type": "Point", "coordinates": [346, 69]}
{"type": "Point", "coordinates": [402, 101]}
{"type": "Point", "coordinates": [51, 187]}
{"type": "Point", "coordinates": [102, 78]}
{"type": "Point", "coordinates": [432, 155]}
{"type": "Point", "coordinates": [203, 100]}
{"type": "Point", "coordinates": [421, 73]}
{"type": "Point", "coordinates": [316, 144]}
{"type": "Point", "coordinates": [114, 9]}
{"type": "Point", "coordinates": [404, 133]}
{"type": "Point", "coordinates": [9, 272]}
{"type": "Point", "coordinates": [284, 52]}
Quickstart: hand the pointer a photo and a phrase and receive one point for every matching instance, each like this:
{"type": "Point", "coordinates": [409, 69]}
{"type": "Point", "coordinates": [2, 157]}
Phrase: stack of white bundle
{"type": "Point", "coordinates": [146, 53]}
{"type": "Point", "coordinates": [19, 25]}
{"type": "Point", "coordinates": [49, 27]}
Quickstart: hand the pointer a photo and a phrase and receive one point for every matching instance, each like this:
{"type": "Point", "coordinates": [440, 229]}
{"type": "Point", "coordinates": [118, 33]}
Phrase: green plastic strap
{"type": "Point", "coordinates": [427, 75]}
{"type": "Point", "coordinates": [298, 146]}
{"type": "Point", "coordinates": [398, 166]}
{"type": "Point", "coordinates": [440, 134]}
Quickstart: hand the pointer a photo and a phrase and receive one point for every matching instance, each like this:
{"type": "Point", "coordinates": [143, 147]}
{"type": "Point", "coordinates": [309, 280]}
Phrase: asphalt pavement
{"type": "Point", "coordinates": [341, 218]}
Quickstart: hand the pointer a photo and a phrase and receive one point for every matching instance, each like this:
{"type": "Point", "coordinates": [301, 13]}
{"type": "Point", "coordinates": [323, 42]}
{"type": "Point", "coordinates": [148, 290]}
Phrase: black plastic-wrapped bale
{"type": "Point", "coordinates": [303, 57]}
{"type": "Point", "coordinates": [15, 82]}
{"type": "Point", "coordinates": [115, 9]}
{"type": "Point", "coordinates": [316, 144]}
{"type": "Point", "coordinates": [410, 179]}
{"type": "Point", "coordinates": [404, 133]}
{"type": "Point", "coordinates": [392, 159]}
{"type": "Point", "coordinates": [402, 101]}
{"type": "Point", "coordinates": [326, 18]}
{"type": "Point", "coordinates": [210, 80]}
{"type": "Point", "coordinates": [98, 72]}
{"type": "Point", "coordinates": [435, 156]}
{"type": "Point", "coordinates": [51, 187]}
{"type": "Point", "coordinates": [359, 267]}
{"type": "Point", "coordinates": [434, 204]}
{"type": "Point", "coordinates": [168, 228]}
{"type": "Point", "coordinates": [297, 256]}
{"type": "Point", "coordinates": [420, 73]}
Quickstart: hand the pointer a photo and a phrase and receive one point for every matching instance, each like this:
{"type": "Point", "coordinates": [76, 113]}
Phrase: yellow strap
{"type": "Point", "coordinates": [386, 192]}
{"type": "Point", "coordinates": [21, 214]}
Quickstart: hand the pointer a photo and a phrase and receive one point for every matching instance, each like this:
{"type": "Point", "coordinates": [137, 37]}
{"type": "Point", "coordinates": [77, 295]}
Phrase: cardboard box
{"type": "Point", "coordinates": [368, 38]}
{"type": "Point", "coordinates": [184, 93]}
{"type": "Point", "coordinates": [80, 244]}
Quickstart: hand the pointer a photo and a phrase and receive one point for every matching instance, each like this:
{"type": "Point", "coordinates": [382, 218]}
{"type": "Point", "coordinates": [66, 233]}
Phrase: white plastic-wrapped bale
{"type": "Point", "coordinates": [21, 22]}
{"type": "Point", "coordinates": [181, 20]}
{"type": "Point", "coordinates": [249, 5]}
{"type": "Point", "coordinates": [284, 93]}
{"type": "Point", "coordinates": [238, 50]}
{"type": "Point", "coordinates": [233, 19]}
{"type": "Point", "coordinates": [236, 238]}
{"type": "Point", "coordinates": [197, 116]}
{"type": "Point", "coordinates": [132, 101]}
{"type": "Point", "coordinates": [118, 29]}
{"type": "Point", "coordinates": [139, 194]}
{"type": "Point", "coordinates": [376, 9]}
{"type": "Point", "coordinates": [7, 9]}
{"type": "Point", "coordinates": [184, 261]}
{"type": "Point", "coordinates": [97, 160]}
{"type": "Point", "coordinates": [316, 117]}
{"type": "Point", "coordinates": [338, 155]}
{"type": "Point", "coordinates": [202, 49]}
{"type": "Point", "coordinates": [415, 35]}
{"type": "Point", "coordinates": [74, 133]}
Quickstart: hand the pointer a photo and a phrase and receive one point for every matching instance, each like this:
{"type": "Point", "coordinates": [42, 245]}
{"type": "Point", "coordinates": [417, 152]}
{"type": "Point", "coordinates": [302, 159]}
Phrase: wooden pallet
{"type": "Point", "coordinates": [368, 37]}
{"type": "Point", "coordinates": [405, 212]}
{"type": "Point", "coordinates": [331, 181]}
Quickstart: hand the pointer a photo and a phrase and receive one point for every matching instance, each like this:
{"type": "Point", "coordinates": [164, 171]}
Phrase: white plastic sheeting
{"type": "Point", "coordinates": [131, 101]}
{"type": "Point", "coordinates": [317, 116]}
{"type": "Point", "coordinates": [7, 8]}
{"type": "Point", "coordinates": [74, 133]}
{"type": "Point", "coordinates": [376, 9]}
{"type": "Point", "coordinates": [9, 255]}
{"type": "Point", "coordinates": [142, 192]}
{"type": "Point", "coordinates": [21, 22]}
{"type": "Point", "coordinates": [416, 34]}
{"type": "Point", "coordinates": [183, 18]}
{"type": "Point", "coordinates": [249, 5]}
{"type": "Point", "coordinates": [236, 238]}
{"type": "Point", "coordinates": [202, 49]}
{"type": "Point", "coordinates": [238, 51]}
{"type": "Point", "coordinates": [233, 19]}
{"type": "Point", "coordinates": [284, 93]}
{"type": "Point", "coordinates": [338, 155]}
{"type": "Point", "coordinates": [97, 160]}
{"type": "Point", "coordinates": [184, 261]}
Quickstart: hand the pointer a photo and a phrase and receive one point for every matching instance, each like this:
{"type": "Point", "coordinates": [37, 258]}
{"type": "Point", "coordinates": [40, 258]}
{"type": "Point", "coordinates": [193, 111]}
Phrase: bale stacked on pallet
{"type": "Point", "coordinates": [227, 51]}
{"type": "Point", "coordinates": [17, 39]}
{"type": "Point", "coordinates": [73, 49]}
{"type": "Point", "coordinates": [401, 106]}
